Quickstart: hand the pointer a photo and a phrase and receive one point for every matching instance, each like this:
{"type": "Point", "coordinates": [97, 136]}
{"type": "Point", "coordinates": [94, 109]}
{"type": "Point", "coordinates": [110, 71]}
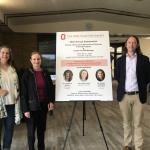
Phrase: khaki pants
{"type": "Point", "coordinates": [132, 112]}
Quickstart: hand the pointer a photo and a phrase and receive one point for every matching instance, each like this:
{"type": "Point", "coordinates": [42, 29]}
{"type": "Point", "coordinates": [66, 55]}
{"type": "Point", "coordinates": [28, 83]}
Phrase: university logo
{"type": "Point", "coordinates": [63, 36]}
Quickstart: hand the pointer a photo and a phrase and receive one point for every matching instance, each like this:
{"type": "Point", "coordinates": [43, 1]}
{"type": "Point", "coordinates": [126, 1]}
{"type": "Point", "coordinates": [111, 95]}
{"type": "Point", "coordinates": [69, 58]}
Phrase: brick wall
{"type": "Point", "coordinates": [22, 45]}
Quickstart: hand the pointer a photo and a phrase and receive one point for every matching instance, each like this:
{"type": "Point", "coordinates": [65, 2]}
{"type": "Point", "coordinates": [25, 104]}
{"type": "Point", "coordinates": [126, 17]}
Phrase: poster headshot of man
{"type": "Point", "coordinates": [68, 75]}
{"type": "Point", "coordinates": [100, 75]}
{"type": "Point", "coordinates": [83, 75]}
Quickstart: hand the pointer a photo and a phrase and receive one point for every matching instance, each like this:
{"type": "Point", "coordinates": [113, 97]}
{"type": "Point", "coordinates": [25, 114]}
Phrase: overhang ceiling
{"type": "Point", "coordinates": [22, 12]}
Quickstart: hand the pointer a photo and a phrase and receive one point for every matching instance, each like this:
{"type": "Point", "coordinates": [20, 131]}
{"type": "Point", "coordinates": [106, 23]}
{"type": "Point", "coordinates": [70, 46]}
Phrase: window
{"type": "Point", "coordinates": [47, 48]}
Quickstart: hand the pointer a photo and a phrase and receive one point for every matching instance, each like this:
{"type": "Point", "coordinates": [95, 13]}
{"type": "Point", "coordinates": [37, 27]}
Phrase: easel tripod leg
{"type": "Point", "coordinates": [70, 123]}
{"type": "Point", "coordinates": [100, 125]}
{"type": "Point", "coordinates": [84, 114]}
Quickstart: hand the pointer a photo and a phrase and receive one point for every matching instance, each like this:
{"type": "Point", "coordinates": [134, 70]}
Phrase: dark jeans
{"type": "Point", "coordinates": [8, 126]}
{"type": "Point", "coordinates": [37, 121]}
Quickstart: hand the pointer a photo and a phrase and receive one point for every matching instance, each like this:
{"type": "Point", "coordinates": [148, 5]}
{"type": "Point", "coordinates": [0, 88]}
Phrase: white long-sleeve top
{"type": "Point", "coordinates": [9, 82]}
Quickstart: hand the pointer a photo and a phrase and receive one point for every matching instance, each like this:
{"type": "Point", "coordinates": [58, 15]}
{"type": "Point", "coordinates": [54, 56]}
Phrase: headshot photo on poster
{"type": "Point", "coordinates": [68, 75]}
{"type": "Point", "coordinates": [100, 75]}
{"type": "Point", "coordinates": [83, 75]}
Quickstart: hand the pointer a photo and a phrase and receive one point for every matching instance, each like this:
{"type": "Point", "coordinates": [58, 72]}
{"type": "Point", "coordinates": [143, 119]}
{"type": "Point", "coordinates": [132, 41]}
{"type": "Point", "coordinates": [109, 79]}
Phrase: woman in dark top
{"type": "Point", "coordinates": [37, 97]}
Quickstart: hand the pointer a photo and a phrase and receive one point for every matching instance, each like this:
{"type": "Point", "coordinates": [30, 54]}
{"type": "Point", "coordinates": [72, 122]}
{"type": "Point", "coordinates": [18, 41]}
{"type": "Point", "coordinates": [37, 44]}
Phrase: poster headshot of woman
{"type": "Point", "coordinates": [83, 75]}
{"type": "Point", "coordinates": [100, 75]}
{"type": "Point", "coordinates": [68, 75]}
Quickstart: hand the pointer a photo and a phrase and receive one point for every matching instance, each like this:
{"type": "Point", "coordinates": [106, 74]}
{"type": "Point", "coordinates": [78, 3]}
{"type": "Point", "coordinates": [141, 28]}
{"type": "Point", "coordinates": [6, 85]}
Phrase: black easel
{"type": "Point", "coordinates": [84, 118]}
{"type": "Point", "coordinates": [100, 125]}
{"type": "Point", "coordinates": [84, 115]}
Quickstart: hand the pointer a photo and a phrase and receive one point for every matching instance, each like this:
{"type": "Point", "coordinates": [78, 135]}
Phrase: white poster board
{"type": "Point", "coordinates": [83, 68]}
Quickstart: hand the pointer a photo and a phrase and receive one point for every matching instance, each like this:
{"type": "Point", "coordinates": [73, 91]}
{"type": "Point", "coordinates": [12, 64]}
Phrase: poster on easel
{"type": "Point", "coordinates": [83, 67]}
